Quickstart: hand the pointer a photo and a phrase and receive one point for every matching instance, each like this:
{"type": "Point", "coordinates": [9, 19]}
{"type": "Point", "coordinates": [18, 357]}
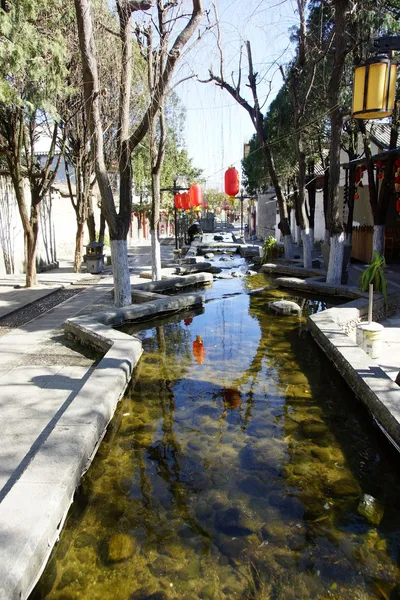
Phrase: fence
{"type": "Point", "coordinates": [361, 240]}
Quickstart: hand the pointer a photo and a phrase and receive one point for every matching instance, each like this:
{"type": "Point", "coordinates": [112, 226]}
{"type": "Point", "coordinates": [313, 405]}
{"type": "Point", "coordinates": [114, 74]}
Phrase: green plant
{"type": "Point", "coordinates": [269, 244]}
{"type": "Point", "coordinates": [375, 273]}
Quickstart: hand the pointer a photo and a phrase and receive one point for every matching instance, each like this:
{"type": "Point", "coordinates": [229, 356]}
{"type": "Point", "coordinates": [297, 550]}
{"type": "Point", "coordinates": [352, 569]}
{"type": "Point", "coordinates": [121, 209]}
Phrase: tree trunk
{"type": "Point", "coordinates": [334, 221]}
{"type": "Point", "coordinates": [312, 194]}
{"type": "Point", "coordinates": [378, 243]}
{"type": "Point", "coordinates": [122, 281]}
{"type": "Point", "coordinates": [32, 237]}
{"type": "Point", "coordinates": [79, 247]}
{"type": "Point", "coordinates": [91, 222]}
{"type": "Point", "coordinates": [118, 224]}
{"type": "Point", "coordinates": [282, 204]}
{"type": "Point", "coordinates": [102, 229]}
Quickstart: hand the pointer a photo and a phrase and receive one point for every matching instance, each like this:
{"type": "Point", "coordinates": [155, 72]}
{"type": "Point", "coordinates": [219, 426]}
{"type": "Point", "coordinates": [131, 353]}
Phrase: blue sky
{"type": "Point", "coordinates": [217, 127]}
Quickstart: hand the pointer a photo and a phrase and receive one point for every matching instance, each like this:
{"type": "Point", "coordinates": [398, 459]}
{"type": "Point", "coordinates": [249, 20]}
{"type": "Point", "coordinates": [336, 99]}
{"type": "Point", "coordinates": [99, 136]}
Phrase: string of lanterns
{"type": "Point", "coordinates": [380, 175]}
{"type": "Point", "coordinates": [191, 199]}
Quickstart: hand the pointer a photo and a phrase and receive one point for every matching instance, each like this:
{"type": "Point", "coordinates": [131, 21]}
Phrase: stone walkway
{"type": "Point", "coordinates": [40, 375]}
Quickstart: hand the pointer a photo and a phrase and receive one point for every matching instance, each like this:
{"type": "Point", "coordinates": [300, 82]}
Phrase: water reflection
{"type": "Point", "coordinates": [235, 476]}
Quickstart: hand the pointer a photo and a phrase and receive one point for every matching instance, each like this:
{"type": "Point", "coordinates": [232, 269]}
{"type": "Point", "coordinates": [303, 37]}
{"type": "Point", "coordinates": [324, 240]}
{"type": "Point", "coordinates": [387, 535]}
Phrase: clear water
{"type": "Point", "coordinates": [233, 471]}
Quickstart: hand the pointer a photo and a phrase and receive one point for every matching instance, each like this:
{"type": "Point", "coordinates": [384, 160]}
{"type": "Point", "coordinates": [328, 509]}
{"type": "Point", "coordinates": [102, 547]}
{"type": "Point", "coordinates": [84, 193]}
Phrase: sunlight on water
{"type": "Point", "coordinates": [233, 469]}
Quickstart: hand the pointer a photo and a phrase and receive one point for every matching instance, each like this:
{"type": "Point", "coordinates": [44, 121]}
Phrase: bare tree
{"type": "Point", "coordinates": [257, 119]}
{"type": "Point", "coordinates": [18, 138]}
{"type": "Point", "coordinates": [118, 222]}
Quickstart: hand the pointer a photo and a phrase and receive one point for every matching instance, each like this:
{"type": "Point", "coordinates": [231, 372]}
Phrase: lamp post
{"type": "Point", "coordinates": [374, 89]}
{"type": "Point", "coordinates": [174, 189]}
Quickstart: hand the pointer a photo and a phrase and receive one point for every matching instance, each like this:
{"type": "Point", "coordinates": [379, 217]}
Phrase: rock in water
{"type": "Point", "coordinates": [120, 547]}
{"type": "Point", "coordinates": [209, 255]}
{"type": "Point", "coordinates": [370, 509]}
{"type": "Point", "coordinates": [284, 307]}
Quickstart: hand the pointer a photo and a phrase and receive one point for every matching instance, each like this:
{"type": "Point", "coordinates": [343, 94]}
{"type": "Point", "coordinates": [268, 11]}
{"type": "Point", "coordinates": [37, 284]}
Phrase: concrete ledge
{"type": "Point", "coordinates": [319, 286]}
{"type": "Point", "coordinates": [34, 506]}
{"type": "Point", "coordinates": [292, 270]}
{"type": "Point", "coordinates": [369, 382]}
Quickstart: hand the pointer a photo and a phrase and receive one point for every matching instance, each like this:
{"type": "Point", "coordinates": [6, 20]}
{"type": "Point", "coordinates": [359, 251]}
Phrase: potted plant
{"type": "Point", "coordinates": [375, 273]}
{"type": "Point", "coordinates": [270, 249]}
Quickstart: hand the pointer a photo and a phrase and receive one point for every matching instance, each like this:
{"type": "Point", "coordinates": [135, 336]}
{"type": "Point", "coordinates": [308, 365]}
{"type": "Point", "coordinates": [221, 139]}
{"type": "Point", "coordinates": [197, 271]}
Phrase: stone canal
{"type": "Point", "coordinates": [236, 467]}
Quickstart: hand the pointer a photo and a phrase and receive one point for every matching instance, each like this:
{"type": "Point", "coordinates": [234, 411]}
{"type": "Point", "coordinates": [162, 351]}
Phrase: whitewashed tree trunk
{"type": "Point", "coordinates": [327, 238]}
{"type": "Point", "coordinates": [379, 239]}
{"type": "Point", "coordinates": [334, 275]}
{"type": "Point", "coordinates": [312, 238]}
{"type": "Point", "coordinates": [122, 280]}
{"type": "Point", "coordinates": [155, 256]}
{"type": "Point", "coordinates": [288, 245]}
{"type": "Point", "coordinates": [298, 235]}
{"type": "Point", "coordinates": [307, 249]}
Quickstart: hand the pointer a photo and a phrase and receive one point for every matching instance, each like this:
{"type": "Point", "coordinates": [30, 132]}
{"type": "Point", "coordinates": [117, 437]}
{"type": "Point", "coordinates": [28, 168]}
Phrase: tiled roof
{"type": "Point", "coordinates": [380, 133]}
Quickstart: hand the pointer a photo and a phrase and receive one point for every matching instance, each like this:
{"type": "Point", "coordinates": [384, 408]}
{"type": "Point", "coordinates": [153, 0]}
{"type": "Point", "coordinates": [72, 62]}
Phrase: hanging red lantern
{"type": "Point", "coordinates": [185, 201]}
{"type": "Point", "coordinates": [356, 196]}
{"type": "Point", "coordinates": [380, 175]}
{"type": "Point", "coordinates": [195, 195]}
{"type": "Point", "coordinates": [379, 164]}
{"type": "Point", "coordinates": [232, 183]}
{"type": "Point", "coordinates": [178, 201]}
{"type": "Point", "coordinates": [398, 205]}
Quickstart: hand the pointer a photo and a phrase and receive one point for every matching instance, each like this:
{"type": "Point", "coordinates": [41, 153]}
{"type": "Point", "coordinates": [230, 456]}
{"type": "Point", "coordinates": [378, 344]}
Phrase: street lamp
{"type": "Point", "coordinates": [374, 88]}
{"type": "Point", "coordinates": [174, 189]}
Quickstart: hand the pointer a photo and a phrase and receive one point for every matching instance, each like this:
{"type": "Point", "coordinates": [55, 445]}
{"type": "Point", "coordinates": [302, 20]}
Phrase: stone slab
{"type": "Point", "coordinates": [367, 379]}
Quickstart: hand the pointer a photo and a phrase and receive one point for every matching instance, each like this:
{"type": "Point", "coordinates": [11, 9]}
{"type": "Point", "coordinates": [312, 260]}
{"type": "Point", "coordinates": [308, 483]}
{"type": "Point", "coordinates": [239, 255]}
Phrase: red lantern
{"type": "Point", "coordinates": [195, 195]}
{"type": "Point", "coordinates": [379, 164]}
{"type": "Point", "coordinates": [185, 201]}
{"type": "Point", "coordinates": [398, 205]}
{"type": "Point", "coordinates": [178, 201]}
{"type": "Point", "coordinates": [380, 175]}
{"type": "Point", "coordinates": [232, 182]}
{"type": "Point", "coordinates": [356, 196]}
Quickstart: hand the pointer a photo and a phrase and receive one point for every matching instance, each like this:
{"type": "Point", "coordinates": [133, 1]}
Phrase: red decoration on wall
{"type": "Point", "coordinates": [232, 183]}
{"type": "Point", "coordinates": [195, 195]}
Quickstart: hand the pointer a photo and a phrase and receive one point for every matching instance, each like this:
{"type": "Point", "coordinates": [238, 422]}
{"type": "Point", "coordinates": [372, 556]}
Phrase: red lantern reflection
{"type": "Point", "coordinates": [198, 350]}
{"type": "Point", "coordinates": [232, 398]}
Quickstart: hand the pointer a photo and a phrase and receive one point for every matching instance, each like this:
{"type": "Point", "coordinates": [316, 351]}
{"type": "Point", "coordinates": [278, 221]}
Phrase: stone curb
{"type": "Point", "coordinates": [291, 270]}
{"type": "Point", "coordinates": [369, 382]}
{"type": "Point", "coordinates": [35, 505]}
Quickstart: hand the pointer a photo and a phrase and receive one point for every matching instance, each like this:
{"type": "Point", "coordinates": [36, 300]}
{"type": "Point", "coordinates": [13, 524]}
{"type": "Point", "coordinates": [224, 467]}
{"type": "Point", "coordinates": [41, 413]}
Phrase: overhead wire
{"type": "Point", "coordinates": [273, 142]}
